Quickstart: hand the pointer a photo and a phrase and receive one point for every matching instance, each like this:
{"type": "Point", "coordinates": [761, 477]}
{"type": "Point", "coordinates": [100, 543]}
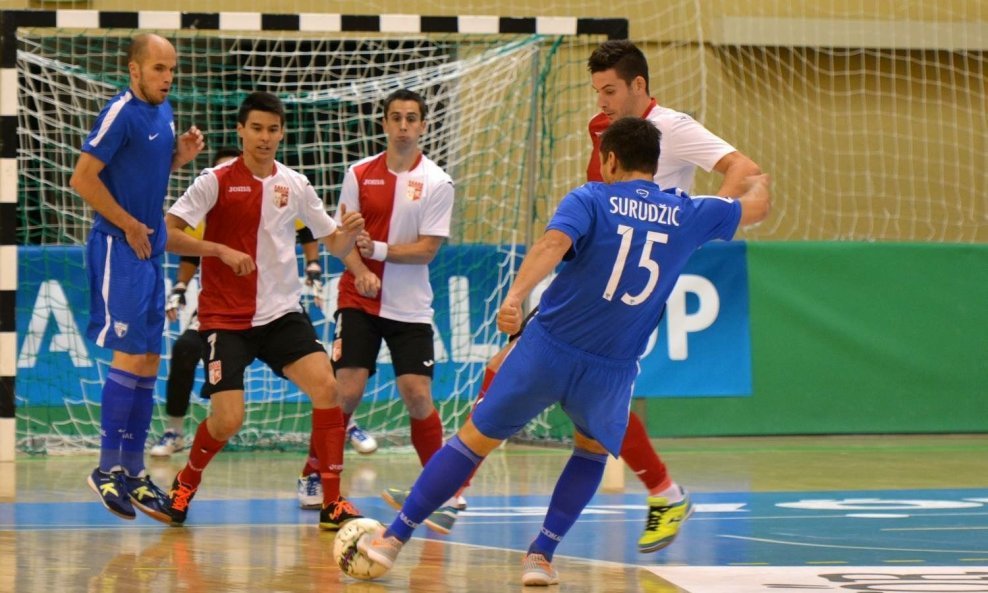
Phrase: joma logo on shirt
{"type": "Point", "coordinates": [238, 188]}
{"type": "Point", "coordinates": [373, 182]}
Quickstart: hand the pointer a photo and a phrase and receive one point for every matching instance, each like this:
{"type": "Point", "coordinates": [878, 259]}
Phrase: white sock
{"type": "Point", "coordinates": [673, 493]}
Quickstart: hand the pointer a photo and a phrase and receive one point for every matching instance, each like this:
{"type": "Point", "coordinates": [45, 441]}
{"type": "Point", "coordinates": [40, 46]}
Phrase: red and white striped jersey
{"type": "Point", "coordinates": [255, 216]}
{"type": "Point", "coordinates": [398, 208]}
{"type": "Point", "coordinates": [685, 145]}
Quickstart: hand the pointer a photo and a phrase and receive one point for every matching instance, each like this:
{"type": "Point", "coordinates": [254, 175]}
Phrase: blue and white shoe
{"type": "Point", "coordinates": [112, 493]}
{"type": "Point", "coordinates": [170, 442]}
{"type": "Point", "coordinates": [310, 492]}
{"type": "Point", "coordinates": [148, 498]}
{"type": "Point", "coordinates": [361, 441]}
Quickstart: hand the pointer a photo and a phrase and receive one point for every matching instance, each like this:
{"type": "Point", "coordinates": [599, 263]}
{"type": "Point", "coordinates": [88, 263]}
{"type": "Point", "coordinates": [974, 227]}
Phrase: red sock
{"type": "Point", "coordinates": [204, 448]}
{"type": "Point", "coordinates": [637, 452]}
{"type": "Point", "coordinates": [427, 436]}
{"type": "Point", "coordinates": [312, 461]}
{"type": "Point", "coordinates": [327, 438]}
{"type": "Point", "coordinates": [489, 374]}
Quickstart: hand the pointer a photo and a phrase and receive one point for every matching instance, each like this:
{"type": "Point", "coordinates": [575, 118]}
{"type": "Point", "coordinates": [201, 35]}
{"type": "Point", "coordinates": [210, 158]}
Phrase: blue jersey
{"type": "Point", "coordinates": [135, 141]}
{"type": "Point", "coordinates": [631, 241]}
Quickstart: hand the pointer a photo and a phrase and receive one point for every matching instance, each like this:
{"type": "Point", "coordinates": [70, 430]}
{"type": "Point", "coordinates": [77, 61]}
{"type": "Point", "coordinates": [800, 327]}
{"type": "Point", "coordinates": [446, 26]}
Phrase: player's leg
{"type": "Point", "coordinates": [123, 289]}
{"type": "Point", "coordinates": [186, 354]}
{"type": "Point", "coordinates": [598, 405]}
{"type": "Point", "coordinates": [515, 398]}
{"type": "Point", "coordinates": [439, 480]}
{"type": "Point", "coordinates": [668, 503]}
{"type": "Point", "coordinates": [228, 354]}
{"type": "Point", "coordinates": [292, 351]}
{"type": "Point", "coordinates": [574, 489]}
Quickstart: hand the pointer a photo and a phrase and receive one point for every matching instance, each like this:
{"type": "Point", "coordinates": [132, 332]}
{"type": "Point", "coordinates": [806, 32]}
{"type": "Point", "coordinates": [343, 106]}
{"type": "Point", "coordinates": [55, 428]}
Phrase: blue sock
{"type": "Point", "coordinates": [574, 489]}
{"type": "Point", "coordinates": [439, 480]}
{"type": "Point", "coordinates": [136, 433]}
{"type": "Point", "coordinates": [118, 397]}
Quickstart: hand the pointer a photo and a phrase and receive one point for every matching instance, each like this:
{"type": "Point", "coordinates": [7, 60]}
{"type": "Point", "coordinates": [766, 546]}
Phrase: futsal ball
{"type": "Point", "coordinates": [351, 560]}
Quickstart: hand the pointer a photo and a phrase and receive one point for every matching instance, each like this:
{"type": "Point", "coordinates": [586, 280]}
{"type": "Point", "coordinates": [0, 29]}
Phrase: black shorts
{"type": "Point", "coordinates": [358, 340]}
{"type": "Point", "coordinates": [228, 353]}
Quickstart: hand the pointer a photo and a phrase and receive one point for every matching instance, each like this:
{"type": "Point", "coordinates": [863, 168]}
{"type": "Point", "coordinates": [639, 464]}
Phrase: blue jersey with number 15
{"type": "Point", "coordinates": [631, 241]}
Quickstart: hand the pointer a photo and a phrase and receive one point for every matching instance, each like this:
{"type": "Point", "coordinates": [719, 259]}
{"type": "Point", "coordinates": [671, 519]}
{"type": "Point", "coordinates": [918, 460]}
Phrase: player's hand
{"type": "Point", "coordinates": [365, 245]}
{"type": "Point", "coordinates": [137, 237]}
{"type": "Point", "coordinates": [367, 284]}
{"type": "Point", "coordinates": [188, 146]}
{"type": "Point", "coordinates": [352, 222]}
{"type": "Point", "coordinates": [509, 317]}
{"type": "Point", "coordinates": [176, 301]}
{"type": "Point", "coordinates": [238, 261]}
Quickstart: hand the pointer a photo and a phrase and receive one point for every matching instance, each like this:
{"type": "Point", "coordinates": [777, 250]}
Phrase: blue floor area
{"type": "Point", "coordinates": [862, 528]}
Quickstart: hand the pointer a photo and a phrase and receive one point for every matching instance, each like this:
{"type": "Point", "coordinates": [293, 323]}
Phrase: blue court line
{"type": "Point", "coordinates": [937, 527]}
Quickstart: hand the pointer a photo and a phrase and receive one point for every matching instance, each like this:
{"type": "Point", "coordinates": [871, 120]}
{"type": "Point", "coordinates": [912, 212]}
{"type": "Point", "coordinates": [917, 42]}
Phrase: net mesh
{"type": "Point", "coordinates": [486, 100]}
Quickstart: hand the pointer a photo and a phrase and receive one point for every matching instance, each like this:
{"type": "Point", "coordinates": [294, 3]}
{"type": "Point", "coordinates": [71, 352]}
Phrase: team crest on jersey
{"type": "Point", "coordinates": [120, 328]}
{"type": "Point", "coordinates": [414, 190]}
{"type": "Point", "coordinates": [215, 372]}
{"type": "Point", "coordinates": [281, 196]}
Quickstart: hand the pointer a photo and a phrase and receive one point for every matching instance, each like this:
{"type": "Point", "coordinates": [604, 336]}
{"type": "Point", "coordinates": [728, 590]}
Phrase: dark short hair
{"type": "Point", "coordinates": [404, 95]}
{"type": "Point", "coordinates": [225, 152]}
{"type": "Point", "coordinates": [635, 141]}
{"type": "Point", "coordinates": [623, 56]}
{"type": "Point", "coordinates": [261, 101]}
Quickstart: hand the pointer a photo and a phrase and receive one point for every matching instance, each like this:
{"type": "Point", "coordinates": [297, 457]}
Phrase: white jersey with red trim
{"type": "Point", "coordinates": [398, 208]}
{"type": "Point", "coordinates": [255, 216]}
{"type": "Point", "coordinates": [685, 145]}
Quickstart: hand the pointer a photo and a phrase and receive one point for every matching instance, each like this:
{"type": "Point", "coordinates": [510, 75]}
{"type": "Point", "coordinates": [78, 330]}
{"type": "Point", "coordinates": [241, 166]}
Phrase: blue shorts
{"type": "Point", "coordinates": [126, 296]}
{"type": "Point", "coordinates": [595, 392]}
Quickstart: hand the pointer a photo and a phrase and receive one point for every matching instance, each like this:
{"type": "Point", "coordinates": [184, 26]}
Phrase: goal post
{"type": "Point", "coordinates": [493, 87]}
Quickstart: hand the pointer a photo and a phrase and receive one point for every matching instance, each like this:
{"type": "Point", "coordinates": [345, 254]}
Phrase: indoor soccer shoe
{"type": "Point", "coordinates": [537, 571]}
{"type": "Point", "coordinates": [112, 493]}
{"type": "Point", "coordinates": [360, 440]}
{"type": "Point", "coordinates": [335, 514]}
{"type": "Point", "coordinates": [148, 498]}
{"type": "Point", "coordinates": [310, 492]}
{"type": "Point", "coordinates": [441, 520]}
{"type": "Point", "coordinates": [379, 547]}
{"type": "Point", "coordinates": [170, 442]}
{"type": "Point", "coordinates": [664, 522]}
{"type": "Point", "coordinates": [179, 498]}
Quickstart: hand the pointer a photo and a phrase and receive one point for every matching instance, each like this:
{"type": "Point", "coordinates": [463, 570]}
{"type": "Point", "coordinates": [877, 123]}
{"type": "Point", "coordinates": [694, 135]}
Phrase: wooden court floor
{"type": "Point", "coordinates": [840, 513]}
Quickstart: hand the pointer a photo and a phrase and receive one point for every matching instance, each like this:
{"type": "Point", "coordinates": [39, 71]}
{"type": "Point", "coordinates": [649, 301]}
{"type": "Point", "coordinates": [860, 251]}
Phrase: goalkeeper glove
{"type": "Point", "coordinates": [313, 274]}
{"type": "Point", "coordinates": [176, 300]}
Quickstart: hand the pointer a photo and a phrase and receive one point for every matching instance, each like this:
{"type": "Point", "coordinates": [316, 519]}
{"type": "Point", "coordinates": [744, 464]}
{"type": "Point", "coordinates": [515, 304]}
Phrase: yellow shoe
{"type": "Point", "coordinates": [664, 521]}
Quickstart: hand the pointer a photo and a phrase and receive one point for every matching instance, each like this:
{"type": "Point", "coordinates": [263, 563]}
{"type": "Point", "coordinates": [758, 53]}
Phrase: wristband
{"type": "Point", "coordinates": [179, 287]}
{"type": "Point", "coordinates": [380, 251]}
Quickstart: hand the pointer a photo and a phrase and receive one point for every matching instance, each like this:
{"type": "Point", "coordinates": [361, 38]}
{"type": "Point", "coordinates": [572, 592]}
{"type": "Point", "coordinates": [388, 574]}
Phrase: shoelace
{"type": "Point", "coordinates": [181, 497]}
{"type": "Point", "coordinates": [654, 517]}
{"type": "Point", "coordinates": [312, 486]}
{"type": "Point", "coordinates": [343, 505]}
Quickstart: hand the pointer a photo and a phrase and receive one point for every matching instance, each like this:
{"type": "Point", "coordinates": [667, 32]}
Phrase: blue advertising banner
{"type": "Point", "coordinates": [701, 348]}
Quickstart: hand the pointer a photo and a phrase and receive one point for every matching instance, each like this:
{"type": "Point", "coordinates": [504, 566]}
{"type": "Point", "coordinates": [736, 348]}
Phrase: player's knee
{"type": "Point", "coordinates": [224, 425]}
{"type": "Point", "coordinates": [419, 405]}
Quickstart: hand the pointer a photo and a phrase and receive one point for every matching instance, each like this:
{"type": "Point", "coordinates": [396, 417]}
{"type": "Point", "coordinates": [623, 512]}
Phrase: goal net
{"type": "Point", "coordinates": [490, 116]}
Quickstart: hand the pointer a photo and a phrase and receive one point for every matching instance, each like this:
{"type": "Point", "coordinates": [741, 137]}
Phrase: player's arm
{"type": "Point", "coordinates": [756, 201]}
{"type": "Point", "coordinates": [541, 259]}
{"type": "Point", "coordinates": [85, 180]}
{"type": "Point", "coordinates": [422, 251]}
{"type": "Point", "coordinates": [735, 167]}
{"type": "Point", "coordinates": [183, 243]}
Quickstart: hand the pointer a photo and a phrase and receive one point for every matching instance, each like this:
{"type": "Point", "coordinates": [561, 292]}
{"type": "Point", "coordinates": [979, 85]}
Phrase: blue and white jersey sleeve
{"type": "Point", "coordinates": [716, 217]}
{"type": "Point", "coordinates": [574, 217]}
{"type": "Point", "coordinates": [110, 132]}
